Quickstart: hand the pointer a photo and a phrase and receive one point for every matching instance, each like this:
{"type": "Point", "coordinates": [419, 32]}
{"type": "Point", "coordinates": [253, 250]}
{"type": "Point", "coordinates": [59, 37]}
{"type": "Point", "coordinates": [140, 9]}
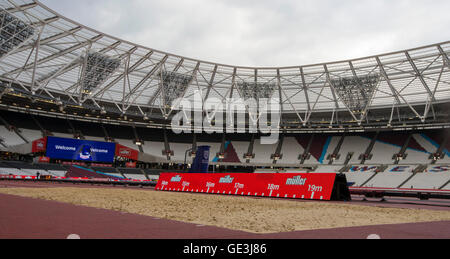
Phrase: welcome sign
{"type": "Point", "coordinates": [80, 150]}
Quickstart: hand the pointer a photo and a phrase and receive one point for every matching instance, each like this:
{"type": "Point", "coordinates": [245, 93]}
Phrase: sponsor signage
{"type": "Point", "coordinates": [131, 165]}
{"type": "Point", "coordinates": [363, 169]}
{"type": "Point", "coordinates": [126, 152]}
{"type": "Point", "coordinates": [39, 145]}
{"type": "Point", "coordinates": [401, 169]}
{"type": "Point", "coordinates": [438, 169]}
{"type": "Point", "coordinates": [297, 186]}
{"type": "Point", "coordinates": [80, 150]}
{"type": "Point", "coordinates": [44, 159]}
{"type": "Point", "coordinates": [175, 179]}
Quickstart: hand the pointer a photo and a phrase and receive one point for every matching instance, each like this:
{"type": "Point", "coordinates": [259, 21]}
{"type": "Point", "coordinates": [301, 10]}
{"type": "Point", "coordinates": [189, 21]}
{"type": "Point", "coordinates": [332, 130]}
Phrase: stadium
{"type": "Point", "coordinates": [104, 138]}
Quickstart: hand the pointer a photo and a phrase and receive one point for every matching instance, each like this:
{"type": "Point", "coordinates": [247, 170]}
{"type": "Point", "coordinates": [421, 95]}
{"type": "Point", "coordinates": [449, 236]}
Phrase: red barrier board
{"type": "Point", "coordinates": [296, 186]}
{"type": "Point", "coordinates": [126, 152]}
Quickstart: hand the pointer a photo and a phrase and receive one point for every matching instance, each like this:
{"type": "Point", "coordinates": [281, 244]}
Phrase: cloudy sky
{"type": "Point", "coordinates": [267, 32]}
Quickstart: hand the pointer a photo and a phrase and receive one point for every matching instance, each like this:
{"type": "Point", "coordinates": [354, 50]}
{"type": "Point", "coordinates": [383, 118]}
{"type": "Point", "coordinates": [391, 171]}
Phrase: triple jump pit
{"type": "Point", "coordinates": [253, 215]}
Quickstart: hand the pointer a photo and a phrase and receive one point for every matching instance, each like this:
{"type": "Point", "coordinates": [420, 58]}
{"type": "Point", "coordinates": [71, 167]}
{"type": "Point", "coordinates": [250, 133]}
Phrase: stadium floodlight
{"type": "Point", "coordinates": [256, 91]}
{"type": "Point", "coordinates": [138, 142]}
{"type": "Point", "coordinates": [123, 116]}
{"type": "Point", "coordinates": [13, 32]}
{"type": "Point", "coordinates": [168, 153]}
{"type": "Point", "coordinates": [304, 156]}
{"type": "Point", "coordinates": [220, 155]}
{"type": "Point", "coordinates": [109, 139]}
{"type": "Point", "coordinates": [356, 92]}
{"type": "Point", "coordinates": [98, 67]}
{"type": "Point", "coordinates": [103, 111]}
{"type": "Point", "coordinates": [249, 156]}
{"type": "Point", "coordinates": [399, 157]}
{"type": "Point", "coordinates": [9, 89]}
{"type": "Point", "coordinates": [174, 86]}
{"type": "Point", "coordinates": [58, 102]}
{"type": "Point", "coordinates": [276, 157]}
{"type": "Point", "coordinates": [437, 156]}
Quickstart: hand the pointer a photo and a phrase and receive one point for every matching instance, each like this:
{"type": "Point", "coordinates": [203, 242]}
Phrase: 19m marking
{"type": "Point", "coordinates": [313, 188]}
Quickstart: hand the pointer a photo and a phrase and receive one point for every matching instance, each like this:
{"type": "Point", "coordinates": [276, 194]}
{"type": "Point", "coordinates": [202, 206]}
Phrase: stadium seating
{"type": "Point", "coordinates": [10, 138]}
{"type": "Point", "coordinates": [429, 181]}
{"type": "Point", "coordinates": [383, 153]}
{"type": "Point", "coordinates": [378, 171]}
{"type": "Point", "coordinates": [57, 173]}
{"type": "Point", "coordinates": [291, 151]}
{"type": "Point", "coordinates": [419, 148]}
{"type": "Point", "coordinates": [353, 144]}
{"type": "Point", "coordinates": [401, 168]}
{"type": "Point", "coordinates": [14, 171]}
{"type": "Point", "coordinates": [51, 167]}
{"type": "Point", "coordinates": [120, 176]}
{"type": "Point", "coordinates": [179, 150]}
{"type": "Point", "coordinates": [263, 152]}
{"type": "Point", "coordinates": [328, 169]}
{"type": "Point", "coordinates": [241, 148]}
{"type": "Point", "coordinates": [33, 171]}
{"type": "Point", "coordinates": [30, 134]}
{"type": "Point", "coordinates": [388, 179]}
{"type": "Point", "coordinates": [140, 177]}
{"type": "Point", "coordinates": [359, 178]}
{"type": "Point", "coordinates": [81, 172]}
{"type": "Point", "coordinates": [135, 174]}
{"type": "Point", "coordinates": [105, 169]}
{"type": "Point", "coordinates": [152, 148]}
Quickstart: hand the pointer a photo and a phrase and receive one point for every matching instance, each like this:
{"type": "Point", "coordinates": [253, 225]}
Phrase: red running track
{"type": "Point", "coordinates": [38, 219]}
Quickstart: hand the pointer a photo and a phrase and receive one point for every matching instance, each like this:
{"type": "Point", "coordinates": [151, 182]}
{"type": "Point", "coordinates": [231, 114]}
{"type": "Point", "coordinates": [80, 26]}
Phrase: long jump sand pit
{"type": "Point", "coordinates": [233, 212]}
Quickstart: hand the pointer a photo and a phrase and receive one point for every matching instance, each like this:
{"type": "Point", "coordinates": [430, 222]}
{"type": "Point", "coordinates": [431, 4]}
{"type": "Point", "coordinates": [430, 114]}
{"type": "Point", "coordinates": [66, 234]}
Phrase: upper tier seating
{"type": "Point", "coordinates": [31, 135]}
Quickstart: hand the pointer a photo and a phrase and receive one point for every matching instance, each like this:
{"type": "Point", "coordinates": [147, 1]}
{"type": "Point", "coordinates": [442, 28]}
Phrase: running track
{"type": "Point", "coordinates": [38, 219]}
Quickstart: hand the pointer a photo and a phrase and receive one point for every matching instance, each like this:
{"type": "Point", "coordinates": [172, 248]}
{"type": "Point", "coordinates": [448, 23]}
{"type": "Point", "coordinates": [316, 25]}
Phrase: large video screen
{"type": "Point", "coordinates": [80, 150]}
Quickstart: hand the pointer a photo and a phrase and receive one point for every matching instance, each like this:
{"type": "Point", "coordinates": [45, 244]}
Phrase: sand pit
{"type": "Point", "coordinates": [237, 213]}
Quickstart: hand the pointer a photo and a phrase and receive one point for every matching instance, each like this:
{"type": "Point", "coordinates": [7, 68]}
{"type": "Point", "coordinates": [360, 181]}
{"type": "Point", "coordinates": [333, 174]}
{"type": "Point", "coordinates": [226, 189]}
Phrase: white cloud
{"type": "Point", "coordinates": [264, 32]}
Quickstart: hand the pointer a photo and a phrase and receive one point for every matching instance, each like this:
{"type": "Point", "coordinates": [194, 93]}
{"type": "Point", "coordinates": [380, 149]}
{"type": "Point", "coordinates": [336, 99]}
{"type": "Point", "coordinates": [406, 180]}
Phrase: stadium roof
{"type": "Point", "coordinates": [45, 53]}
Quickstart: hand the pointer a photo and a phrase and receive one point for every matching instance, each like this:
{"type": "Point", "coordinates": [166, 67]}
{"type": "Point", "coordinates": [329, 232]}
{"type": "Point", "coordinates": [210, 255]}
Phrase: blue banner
{"type": "Point", "coordinates": [80, 150]}
{"type": "Point", "coordinates": [201, 161]}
